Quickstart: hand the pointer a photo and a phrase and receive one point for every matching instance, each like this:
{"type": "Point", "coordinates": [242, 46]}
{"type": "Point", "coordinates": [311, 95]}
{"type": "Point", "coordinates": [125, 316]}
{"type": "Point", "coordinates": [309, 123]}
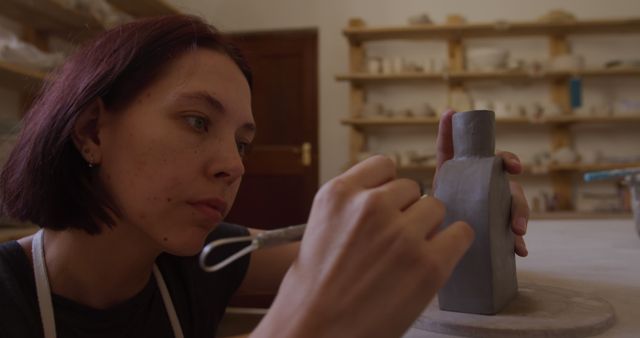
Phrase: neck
{"type": "Point", "coordinates": [99, 271]}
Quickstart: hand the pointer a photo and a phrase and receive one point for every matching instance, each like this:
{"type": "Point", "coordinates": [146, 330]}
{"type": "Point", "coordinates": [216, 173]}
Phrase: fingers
{"type": "Point", "coordinates": [425, 216]}
{"type": "Point", "coordinates": [450, 244]}
{"type": "Point", "coordinates": [372, 172]}
{"type": "Point", "coordinates": [519, 209]}
{"type": "Point", "coordinates": [521, 247]}
{"type": "Point", "coordinates": [444, 142]}
{"type": "Point", "coordinates": [511, 162]}
{"type": "Point", "coordinates": [401, 193]}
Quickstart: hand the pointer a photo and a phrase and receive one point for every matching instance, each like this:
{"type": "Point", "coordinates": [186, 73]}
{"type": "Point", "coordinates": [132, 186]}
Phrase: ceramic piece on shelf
{"type": "Point", "coordinates": [428, 111]}
{"type": "Point", "coordinates": [474, 188]}
{"type": "Point", "coordinates": [622, 64]}
{"type": "Point", "coordinates": [540, 162]}
{"type": "Point", "coordinates": [357, 22]}
{"type": "Point", "coordinates": [429, 65]}
{"type": "Point", "coordinates": [374, 66]}
{"type": "Point", "coordinates": [626, 106]}
{"type": "Point", "coordinates": [550, 201]}
{"type": "Point", "coordinates": [482, 105]}
{"type": "Point", "coordinates": [564, 155]}
{"type": "Point", "coordinates": [515, 65]}
{"type": "Point", "coordinates": [485, 59]}
{"type": "Point", "coordinates": [502, 109]}
{"type": "Point", "coordinates": [455, 19]}
{"type": "Point", "coordinates": [551, 109]}
{"type": "Point", "coordinates": [420, 19]}
{"type": "Point", "coordinates": [398, 65]}
{"type": "Point", "coordinates": [407, 113]}
{"type": "Point", "coordinates": [389, 113]}
{"type": "Point", "coordinates": [535, 204]}
{"type": "Point", "coordinates": [413, 66]}
{"type": "Point", "coordinates": [394, 156]}
{"type": "Point", "coordinates": [536, 67]}
{"type": "Point", "coordinates": [405, 158]}
{"type": "Point", "coordinates": [387, 66]}
{"type": "Point", "coordinates": [590, 156]}
{"type": "Point", "coordinates": [534, 110]}
{"type": "Point", "coordinates": [421, 158]}
{"type": "Point", "coordinates": [557, 16]}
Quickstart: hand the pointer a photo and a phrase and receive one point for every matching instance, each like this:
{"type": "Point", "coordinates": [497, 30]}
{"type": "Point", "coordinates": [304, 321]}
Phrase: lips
{"type": "Point", "coordinates": [213, 208]}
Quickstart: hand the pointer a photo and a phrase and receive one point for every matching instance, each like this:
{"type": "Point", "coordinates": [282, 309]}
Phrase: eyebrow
{"type": "Point", "coordinates": [213, 103]}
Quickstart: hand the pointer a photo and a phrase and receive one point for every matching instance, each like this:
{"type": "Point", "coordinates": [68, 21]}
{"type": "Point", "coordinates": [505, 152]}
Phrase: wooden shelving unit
{"type": "Point", "coordinates": [358, 34]}
{"type": "Point", "coordinates": [42, 18]}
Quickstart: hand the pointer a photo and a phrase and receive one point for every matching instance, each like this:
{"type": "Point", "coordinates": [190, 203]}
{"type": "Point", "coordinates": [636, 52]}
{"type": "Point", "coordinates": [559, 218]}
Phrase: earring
{"type": "Point", "coordinates": [90, 160]}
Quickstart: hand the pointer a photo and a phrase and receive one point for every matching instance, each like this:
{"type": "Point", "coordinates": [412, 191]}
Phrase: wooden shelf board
{"type": "Point", "coordinates": [566, 215]}
{"type": "Point", "coordinates": [408, 121]}
{"type": "Point", "coordinates": [491, 29]}
{"type": "Point", "coordinates": [14, 232]}
{"type": "Point", "coordinates": [18, 77]}
{"type": "Point", "coordinates": [141, 8]}
{"type": "Point", "coordinates": [497, 75]}
{"type": "Point", "coordinates": [49, 17]}
{"type": "Point", "coordinates": [592, 167]}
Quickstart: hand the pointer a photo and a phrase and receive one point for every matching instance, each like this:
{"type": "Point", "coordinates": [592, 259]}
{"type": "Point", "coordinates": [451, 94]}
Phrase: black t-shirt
{"type": "Point", "coordinates": [200, 298]}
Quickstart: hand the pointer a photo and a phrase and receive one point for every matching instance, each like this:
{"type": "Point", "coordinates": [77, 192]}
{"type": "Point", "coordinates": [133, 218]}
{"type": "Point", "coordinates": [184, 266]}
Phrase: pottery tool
{"type": "Point", "coordinates": [631, 178]}
{"type": "Point", "coordinates": [266, 239]}
{"type": "Point", "coordinates": [609, 174]}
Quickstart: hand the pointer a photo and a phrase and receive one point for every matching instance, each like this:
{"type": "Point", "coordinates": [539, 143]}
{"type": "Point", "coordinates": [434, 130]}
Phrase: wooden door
{"type": "Point", "coordinates": [282, 168]}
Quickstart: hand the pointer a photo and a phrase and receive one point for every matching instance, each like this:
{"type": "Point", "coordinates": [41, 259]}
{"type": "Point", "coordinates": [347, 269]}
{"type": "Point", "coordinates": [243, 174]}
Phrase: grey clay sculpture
{"type": "Point", "coordinates": [475, 188]}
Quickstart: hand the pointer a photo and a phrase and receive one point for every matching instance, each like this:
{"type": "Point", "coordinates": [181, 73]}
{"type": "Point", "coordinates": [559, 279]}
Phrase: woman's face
{"type": "Point", "coordinates": [172, 159]}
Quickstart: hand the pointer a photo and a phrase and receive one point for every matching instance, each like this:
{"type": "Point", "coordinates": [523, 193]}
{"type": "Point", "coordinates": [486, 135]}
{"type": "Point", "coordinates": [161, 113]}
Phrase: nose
{"type": "Point", "coordinates": [227, 164]}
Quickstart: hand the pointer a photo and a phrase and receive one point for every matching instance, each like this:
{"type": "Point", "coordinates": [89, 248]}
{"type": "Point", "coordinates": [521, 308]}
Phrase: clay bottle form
{"type": "Point", "coordinates": [475, 188]}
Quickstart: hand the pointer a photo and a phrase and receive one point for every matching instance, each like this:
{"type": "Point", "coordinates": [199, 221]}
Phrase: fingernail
{"type": "Point", "coordinates": [521, 248]}
{"type": "Point", "coordinates": [521, 224]}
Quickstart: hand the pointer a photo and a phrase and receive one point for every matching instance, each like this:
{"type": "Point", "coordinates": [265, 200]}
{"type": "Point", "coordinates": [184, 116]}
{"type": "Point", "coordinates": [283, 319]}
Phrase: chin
{"type": "Point", "coordinates": [188, 243]}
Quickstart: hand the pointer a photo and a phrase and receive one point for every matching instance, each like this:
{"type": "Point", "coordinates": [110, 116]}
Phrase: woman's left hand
{"type": "Point", "coordinates": [519, 205]}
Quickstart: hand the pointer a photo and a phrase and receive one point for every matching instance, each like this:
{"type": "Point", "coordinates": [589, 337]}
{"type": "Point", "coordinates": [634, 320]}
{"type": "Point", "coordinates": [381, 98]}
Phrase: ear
{"type": "Point", "coordinates": [86, 131]}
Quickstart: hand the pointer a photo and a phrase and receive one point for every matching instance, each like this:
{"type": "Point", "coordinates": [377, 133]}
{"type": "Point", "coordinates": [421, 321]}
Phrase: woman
{"type": "Point", "coordinates": [130, 159]}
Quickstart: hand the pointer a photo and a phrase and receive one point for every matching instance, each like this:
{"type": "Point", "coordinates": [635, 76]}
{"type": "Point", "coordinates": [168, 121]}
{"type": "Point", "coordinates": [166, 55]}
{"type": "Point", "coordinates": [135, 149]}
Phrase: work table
{"type": "Point", "coordinates": [597, 257]}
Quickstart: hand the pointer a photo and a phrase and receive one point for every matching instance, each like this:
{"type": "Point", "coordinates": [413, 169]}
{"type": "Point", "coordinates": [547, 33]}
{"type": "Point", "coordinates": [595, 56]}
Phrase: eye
{"type": "Point", "coordinates": [198, 122]}
{"type": "Point", "coordinates": [243, 148]}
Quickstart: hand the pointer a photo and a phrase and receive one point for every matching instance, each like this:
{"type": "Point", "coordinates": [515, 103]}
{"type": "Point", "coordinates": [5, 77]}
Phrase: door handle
{"type": "Point", "coordinates": [306, 154]}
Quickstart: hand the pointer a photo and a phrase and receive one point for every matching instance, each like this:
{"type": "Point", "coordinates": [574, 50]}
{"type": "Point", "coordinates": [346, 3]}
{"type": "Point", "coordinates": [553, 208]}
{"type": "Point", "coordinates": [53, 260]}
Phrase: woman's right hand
{"type": "Point", "coordinates": [371, 259]}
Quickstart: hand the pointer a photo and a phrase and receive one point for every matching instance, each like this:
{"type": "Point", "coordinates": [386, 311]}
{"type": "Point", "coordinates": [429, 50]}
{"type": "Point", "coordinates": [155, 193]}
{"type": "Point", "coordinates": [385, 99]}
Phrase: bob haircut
{"type": "Point", "coordinates": [45, 180]}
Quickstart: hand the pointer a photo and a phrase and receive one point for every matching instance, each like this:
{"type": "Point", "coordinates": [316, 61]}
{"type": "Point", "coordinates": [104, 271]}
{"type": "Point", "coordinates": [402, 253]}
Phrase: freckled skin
{"type": "Point", "coordinates": [153, 162]}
